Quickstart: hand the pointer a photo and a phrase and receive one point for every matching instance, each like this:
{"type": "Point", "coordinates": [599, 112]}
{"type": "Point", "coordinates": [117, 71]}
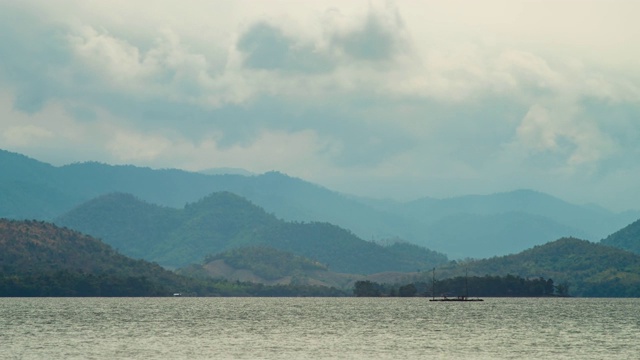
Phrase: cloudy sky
{"type": "Point", "coordinates": [398, 99]}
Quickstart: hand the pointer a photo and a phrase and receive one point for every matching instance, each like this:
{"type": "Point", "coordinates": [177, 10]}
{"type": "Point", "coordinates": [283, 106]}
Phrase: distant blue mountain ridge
{"type": "Point", "coordinates": [472, 226]}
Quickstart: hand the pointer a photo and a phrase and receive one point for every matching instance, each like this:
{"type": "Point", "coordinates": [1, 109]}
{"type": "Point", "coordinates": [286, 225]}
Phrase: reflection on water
{"type": "Point", "coordinates": [317, 328]}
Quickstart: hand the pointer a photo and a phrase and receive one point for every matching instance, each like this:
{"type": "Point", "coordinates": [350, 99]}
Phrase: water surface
{"type": "Point", "coordinates": [317, 328]}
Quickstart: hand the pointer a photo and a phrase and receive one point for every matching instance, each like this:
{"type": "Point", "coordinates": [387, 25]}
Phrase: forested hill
{"type": "Point", "coordinates": [124, 222]}
{"type": "Point", "coordinates": [36, 190]}
{"type": "Point", "coordinates": [589, 269]}
{"type": "Point", "coordinates": [41, 259]}
{"type": "Point", "coordinates": [264, 265]}
{"type": "Point", "coordinates": [627, 238]}
{"type": "Point", "coordinates": [224, 221]}
{"type": "Point", "coordinates": [467, 226]}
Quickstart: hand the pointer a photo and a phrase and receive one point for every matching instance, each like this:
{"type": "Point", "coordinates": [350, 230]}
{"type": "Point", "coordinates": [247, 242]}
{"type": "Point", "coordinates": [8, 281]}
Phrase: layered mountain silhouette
{"type": "Point", "coordinates": [42, 259]}
{"type": "Point", "coordinates": [224, 221]}
{"type": "Point", "coordinates": [474, 226]}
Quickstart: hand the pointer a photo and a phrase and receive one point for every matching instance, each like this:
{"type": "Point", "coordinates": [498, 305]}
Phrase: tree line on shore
{"type": "Point", "coordinates": [486, 286]}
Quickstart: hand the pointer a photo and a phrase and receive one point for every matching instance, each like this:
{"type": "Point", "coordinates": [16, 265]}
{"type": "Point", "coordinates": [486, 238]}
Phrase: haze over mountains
{"type": "Point", "coordinates": [275, 229]}
{"type": "Point", "coordinates": [223, 221]}
{"type": "Point", "coordinates": [475, 226]}
{"type": "Point", "coordinates": [395, 103]}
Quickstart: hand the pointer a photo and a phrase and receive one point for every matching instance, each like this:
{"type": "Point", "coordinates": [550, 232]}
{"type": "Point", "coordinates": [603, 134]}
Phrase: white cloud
{"type": "Point", "coordinates": [396, 93]}
{"type": "Point", "coordinates": [270, 150]}
{"type": "Point", "coordinates": [526, 70]}
{"type": "Point", "coordinates": [29, 135]}
{"type": "Point", "coordinates": [50, 127]}
{"type": "Point", "coordinates": [539, 131]}
{"type": "Point", "coordinates": [119, 60]}
{"type": "Point", "coordinates": [576, 140]}
{"type": "Point", "coordinates": [133, 147]}
{"type": "Point", "coordinates": [166, 69]}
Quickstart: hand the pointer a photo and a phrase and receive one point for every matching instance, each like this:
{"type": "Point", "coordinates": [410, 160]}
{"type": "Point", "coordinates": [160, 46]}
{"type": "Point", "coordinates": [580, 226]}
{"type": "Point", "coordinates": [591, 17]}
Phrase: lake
{"type": "Point", "coordinates": [318, 328]}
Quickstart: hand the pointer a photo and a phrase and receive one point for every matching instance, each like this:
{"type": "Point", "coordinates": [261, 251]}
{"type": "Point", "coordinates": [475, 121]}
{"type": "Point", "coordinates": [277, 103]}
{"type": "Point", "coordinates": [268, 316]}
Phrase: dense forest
{"type": "Point", "coordinates": [474, 286]}
{"type": "Point", "coordinates": [66, 283]}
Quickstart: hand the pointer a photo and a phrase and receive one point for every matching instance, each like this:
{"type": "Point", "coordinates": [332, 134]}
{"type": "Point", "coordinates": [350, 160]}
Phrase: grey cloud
{"type": "Point", "coordinates": [30, 99]}
{"type": "Point", "coordinates": [267, 47]}
{"type": "Point", "coordinates": [373, 41]}
{"type": "Point", "coordinates": [620, 122]}
{"type": "Point", "coordinates": [447, 139]}
{"type": "Point", "coordinates": [32, 54]}
{"type": "Point", "coordinates": [82, 113]}
{"type": "Point", "coordinates": [621, 119]}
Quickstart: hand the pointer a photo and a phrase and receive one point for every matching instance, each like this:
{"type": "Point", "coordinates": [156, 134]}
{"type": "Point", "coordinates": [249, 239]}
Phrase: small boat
{"type": "Point", "coordinates": [457, 298]}
{"type": "Point", "coordinates": [464, 297]}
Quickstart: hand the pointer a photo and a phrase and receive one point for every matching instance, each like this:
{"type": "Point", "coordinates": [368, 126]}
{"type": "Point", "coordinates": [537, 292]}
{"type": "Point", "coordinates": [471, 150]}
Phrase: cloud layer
{"type": "Point", "coordinates": [394, 99]}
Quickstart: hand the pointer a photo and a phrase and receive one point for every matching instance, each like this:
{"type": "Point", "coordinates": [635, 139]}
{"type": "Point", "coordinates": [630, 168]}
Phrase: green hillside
{"type": "Point", "coordinates": [133, 226]}
{"type": "Point", "coordinates": [41, 259]}
{"type": "Point", "coordinates": [627, 238]}
{"type": "Point", "coordinates": [223, 221]}
{"type": "Point", "coordinates": [266, 262]}
{"type": "Point", "coordinates": [265, 265]}
{"type": "Point", "coordinates": [589, 269]}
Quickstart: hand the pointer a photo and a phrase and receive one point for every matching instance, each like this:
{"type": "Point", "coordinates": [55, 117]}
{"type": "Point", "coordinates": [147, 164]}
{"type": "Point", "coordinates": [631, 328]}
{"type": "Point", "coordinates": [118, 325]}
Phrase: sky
{"type": "Point", "coordinates": [388, 99]}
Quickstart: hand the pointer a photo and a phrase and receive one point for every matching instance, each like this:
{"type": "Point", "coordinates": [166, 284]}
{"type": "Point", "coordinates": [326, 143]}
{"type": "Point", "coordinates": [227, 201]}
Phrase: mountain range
{"type": "Point", "coordinates": [223, 221]}
{"type": "Point", "coordinates": [41, 259]}
{"type": "Point", "coordinates": [474, 226]}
